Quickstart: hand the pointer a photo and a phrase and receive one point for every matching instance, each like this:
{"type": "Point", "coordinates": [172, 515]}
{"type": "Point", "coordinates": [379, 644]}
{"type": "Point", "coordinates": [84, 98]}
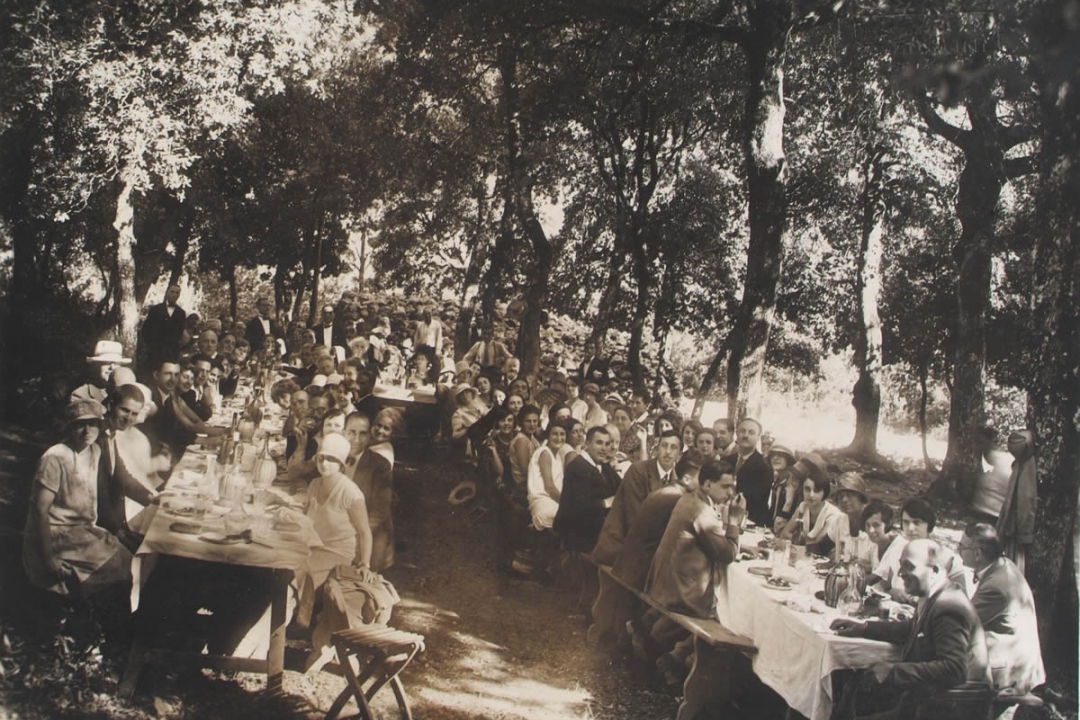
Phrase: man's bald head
{"type": "Point", "coordinates": [921, 567]}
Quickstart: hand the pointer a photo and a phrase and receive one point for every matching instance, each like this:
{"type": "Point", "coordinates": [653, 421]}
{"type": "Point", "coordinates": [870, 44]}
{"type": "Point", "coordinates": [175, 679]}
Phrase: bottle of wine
{"type": "Point", "coordinates": [798, 542]}
{"type": "Point", "coordinates": [228, 445]}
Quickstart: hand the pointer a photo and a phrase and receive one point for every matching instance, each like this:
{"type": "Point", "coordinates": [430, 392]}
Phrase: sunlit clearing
{"type": "Point", "coordinates": [512, 699]}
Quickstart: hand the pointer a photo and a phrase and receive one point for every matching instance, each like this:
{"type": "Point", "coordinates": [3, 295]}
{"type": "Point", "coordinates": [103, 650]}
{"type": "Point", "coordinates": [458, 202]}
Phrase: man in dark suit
{"type": "Point", "coordinates": [594, 369]}
{"type": "Point", "coordinates": [372, 474]}
{"type": "Point", "coordinates": [753, 473]}
{"type": "Point", "coordinates": [261, 325]}
{"type": "Point", "coordinates": [329, 333]}
{"type": "Point", "coordinates": [942, 647]}
{"type": "Point", "coordinates": [1006, 609]}
{"type": "Point", "coordinates": [163, 328]}
{"type": "Point", "coordinates": [640, 480]}
{"type": "Point", "coordinates": [589, 486]}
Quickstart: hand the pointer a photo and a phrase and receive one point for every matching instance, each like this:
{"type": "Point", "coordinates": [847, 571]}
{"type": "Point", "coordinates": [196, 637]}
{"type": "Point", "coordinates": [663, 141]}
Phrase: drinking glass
{"type": "Point", "coordinates": [780, 556]}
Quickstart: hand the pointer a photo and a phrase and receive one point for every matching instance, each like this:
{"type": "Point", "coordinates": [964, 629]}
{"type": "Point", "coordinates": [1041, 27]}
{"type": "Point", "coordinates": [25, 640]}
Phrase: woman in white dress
{"type": "Point", "coordinates": [545, 474]}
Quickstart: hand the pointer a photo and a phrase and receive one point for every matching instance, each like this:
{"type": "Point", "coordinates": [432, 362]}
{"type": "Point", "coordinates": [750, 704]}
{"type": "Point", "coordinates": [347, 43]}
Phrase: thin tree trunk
{"type": "Point", "coordinates": [866, 395]}
{"type": "Point", "coordinates": [234, 300]}
{"type": "Point", "coordinates": [763, 146]}
{"type": "Point", "coordinates": [535, 297]}
{"type": "Point", "coordinates": [124, 224]}
{"type": "Point", "coordinates": [182, 244]}
{"type": "Point", "coordinates": [473, 271]}
{"type": "Point", "coordinates": [642, 270]}
{"type": "Point", "coordinates": [363, 259]}
{"type": "Point", "coordinates": [612, 292]}
{"type": "Point", "coordinates": [924, 374]}
{"type": "Point", "coordinates": [316, 275]}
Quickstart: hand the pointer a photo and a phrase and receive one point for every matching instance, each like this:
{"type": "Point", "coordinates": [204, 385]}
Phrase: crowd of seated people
{"type": "Point", "coordinates": [576, 461]}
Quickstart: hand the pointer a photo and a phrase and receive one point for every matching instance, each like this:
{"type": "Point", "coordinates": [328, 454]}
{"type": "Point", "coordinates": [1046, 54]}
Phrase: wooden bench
{"type": "Point", "coordinates": [708, 685]}
{"type": "Point", "coordinates": [972, 703]}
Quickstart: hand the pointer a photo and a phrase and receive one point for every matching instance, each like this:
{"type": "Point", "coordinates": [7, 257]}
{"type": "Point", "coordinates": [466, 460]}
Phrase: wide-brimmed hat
{"type": "Point", "coordinates": [811, 465]}
{"type": "Point", "coordinates": [460, 388]}
{"type": "Point", "coordinates": [336, 446]}
{"type": "Point", "coordinates": [852, 482]}
{"type": "Point", "coordinates": [778, 449]}
{"type": "Point", "coordinates": [83, 410]}
{"type": "Point", "coordinates": [108, 351]}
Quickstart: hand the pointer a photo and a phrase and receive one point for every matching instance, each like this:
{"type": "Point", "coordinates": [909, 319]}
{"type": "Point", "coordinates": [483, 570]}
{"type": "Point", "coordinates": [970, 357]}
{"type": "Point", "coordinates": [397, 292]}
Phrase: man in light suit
{"type": "Point", "coordinates": [373, 475]}
{"type": "Point", "coordinates": [640, 480]}
{"type": "Point", "coordinates": [942, 647]}
{"type": "Point", "coordinates": [1006, 609]}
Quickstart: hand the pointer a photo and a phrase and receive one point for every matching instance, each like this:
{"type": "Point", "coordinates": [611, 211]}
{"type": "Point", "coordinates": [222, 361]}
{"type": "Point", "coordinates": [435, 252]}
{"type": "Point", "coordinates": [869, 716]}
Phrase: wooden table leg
{"type": "Point", "coordinates": [136, 657]}
{"type": "Point", "coordinates": [275, 655]}
{"type": "Point", "coordinates": [708, 686]}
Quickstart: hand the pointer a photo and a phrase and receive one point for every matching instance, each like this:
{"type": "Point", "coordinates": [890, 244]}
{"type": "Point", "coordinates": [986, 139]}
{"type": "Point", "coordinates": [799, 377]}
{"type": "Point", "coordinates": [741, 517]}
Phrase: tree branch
{"type": "Point", "coordinates": [1015, 167]}
{"type": "Point", "coordinates": [939, 126]}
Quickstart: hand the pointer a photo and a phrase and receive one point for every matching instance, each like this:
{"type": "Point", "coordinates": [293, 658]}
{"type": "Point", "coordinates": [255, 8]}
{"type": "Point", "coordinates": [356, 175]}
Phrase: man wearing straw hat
{"type": "Point", "coordinates": [108, 355]}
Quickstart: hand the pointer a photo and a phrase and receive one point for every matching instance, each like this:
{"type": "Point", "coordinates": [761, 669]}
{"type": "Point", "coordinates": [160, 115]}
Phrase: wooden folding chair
{"type": "Point", "coordinates": [389, 650]}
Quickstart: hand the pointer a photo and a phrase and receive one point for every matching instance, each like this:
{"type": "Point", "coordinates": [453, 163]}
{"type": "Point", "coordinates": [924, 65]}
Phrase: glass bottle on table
{"type": "Point", "coordinates": [798, 542]}
{"type": "Point", "coordinates": [228, 445]}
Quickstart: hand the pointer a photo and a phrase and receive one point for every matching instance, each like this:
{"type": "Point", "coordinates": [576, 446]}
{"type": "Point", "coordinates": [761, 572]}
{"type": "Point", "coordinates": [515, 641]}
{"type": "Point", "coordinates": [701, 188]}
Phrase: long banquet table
{"type": "Point", "coordinates": [797, 652]}
{"type": "Point", "coordinates": [281, 551]}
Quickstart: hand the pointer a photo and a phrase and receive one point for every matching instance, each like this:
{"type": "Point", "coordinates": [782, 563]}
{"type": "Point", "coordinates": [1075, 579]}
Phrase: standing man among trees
{"type": "Point", "coordinates": [262, 324]}
{"type": "Point", "coordinates": [428, 333]}
{"type": "Point", "coordinates": [163, 329]}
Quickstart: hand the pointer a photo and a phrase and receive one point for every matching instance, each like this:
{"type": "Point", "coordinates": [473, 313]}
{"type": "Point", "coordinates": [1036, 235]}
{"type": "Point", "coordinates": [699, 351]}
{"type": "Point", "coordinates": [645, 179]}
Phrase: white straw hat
{"type": "Point", "coordinates": [109, 351]}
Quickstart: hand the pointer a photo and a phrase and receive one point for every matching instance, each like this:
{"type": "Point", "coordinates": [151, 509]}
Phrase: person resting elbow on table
{"type": "Point", "coordinates": [942, 647]}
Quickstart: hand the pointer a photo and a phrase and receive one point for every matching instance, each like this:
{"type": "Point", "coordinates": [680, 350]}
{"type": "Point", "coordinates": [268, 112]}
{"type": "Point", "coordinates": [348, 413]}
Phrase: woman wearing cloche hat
{"type": "Point", "coordinates": [65, 551]}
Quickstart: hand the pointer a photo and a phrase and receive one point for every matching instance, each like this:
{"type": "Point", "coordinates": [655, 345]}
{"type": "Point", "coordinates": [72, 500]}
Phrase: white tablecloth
{"type": "Point", "coordinates": [796, 651]}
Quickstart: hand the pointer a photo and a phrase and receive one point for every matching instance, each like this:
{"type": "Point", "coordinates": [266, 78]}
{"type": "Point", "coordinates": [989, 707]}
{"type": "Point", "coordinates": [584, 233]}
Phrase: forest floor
{"type": "Point", "coordinates": [496, 648]}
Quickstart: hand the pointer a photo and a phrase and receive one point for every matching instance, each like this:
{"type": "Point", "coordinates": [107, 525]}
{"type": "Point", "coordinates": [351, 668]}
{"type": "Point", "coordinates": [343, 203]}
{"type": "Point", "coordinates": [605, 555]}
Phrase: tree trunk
{"type": "Point", "coordinates": [124, 224]}
{"type": "Point", "coordinates": [977, 197]}
{"type": "Point", "coordinates": [234, 300]}
{"type": "Point", "coordinates": [1053, 391]}
{"type": "Point", "coordinates": [316, 275]}
{"type": "Point", "coordinates": [363, 260]}
{"type": "Point", "coordinates": [17, 161]}
{"type": "Point", "coordinates": [924, 429]}
{"type": "Point", "coordinates": [642, 271]}
{"type": "Point", "coordinates": [182, 244]}
{"type": "Point", "coordinates": [612, 292]}
{"type": "Point", "coordinates": [763, 147]}
{"type": "Point", "coordinates": [866, 396]}
{"type": "Point", "coordinates": [507, 182]}
{"type": "Point", "coordinates": [473, 271]}
{"type": "Point", "coordinates": [535, 296]}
